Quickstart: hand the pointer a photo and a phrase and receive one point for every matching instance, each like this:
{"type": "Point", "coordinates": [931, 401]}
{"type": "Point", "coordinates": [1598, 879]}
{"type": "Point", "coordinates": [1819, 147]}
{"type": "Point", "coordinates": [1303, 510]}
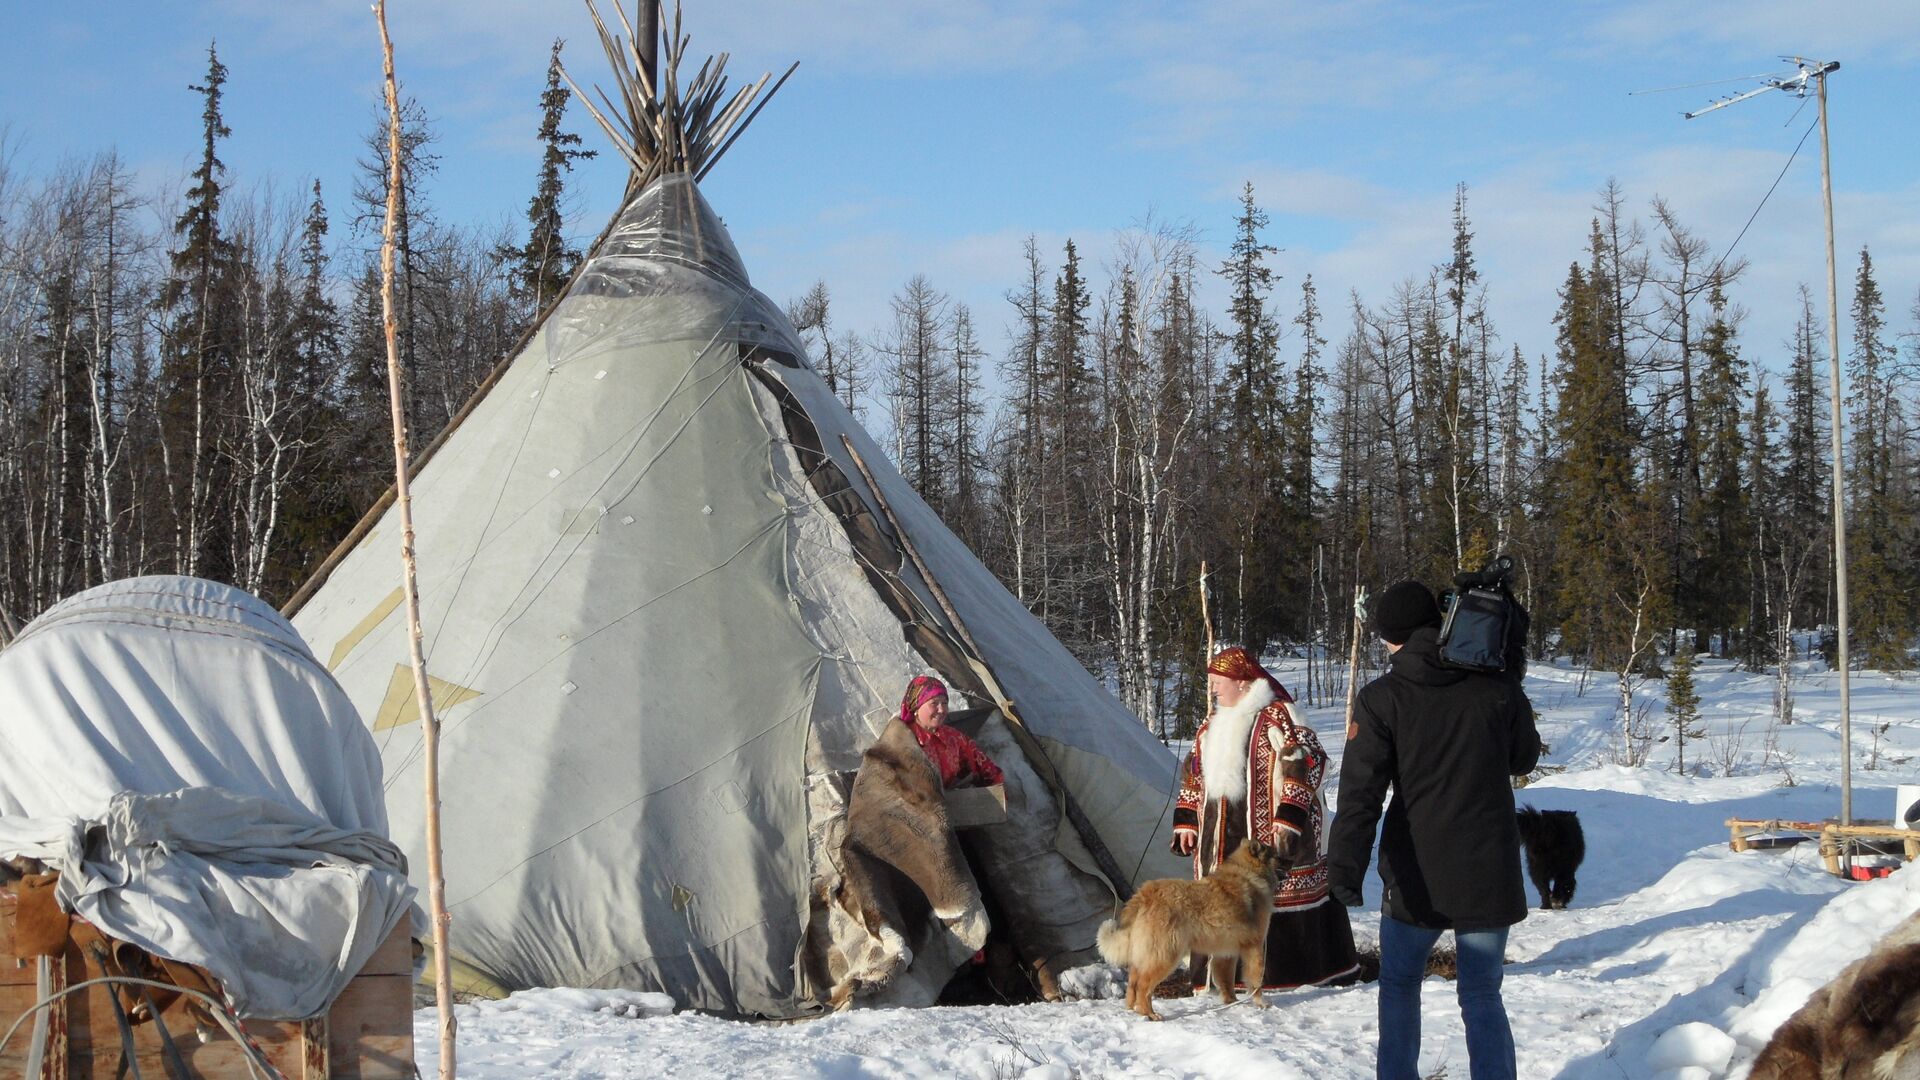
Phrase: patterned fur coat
{"type": "Point", "coordinates": [1258, 746]}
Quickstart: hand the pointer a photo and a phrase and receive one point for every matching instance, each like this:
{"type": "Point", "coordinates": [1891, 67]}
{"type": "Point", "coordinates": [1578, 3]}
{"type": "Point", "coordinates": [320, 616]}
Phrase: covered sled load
{"type": "Point", "coordinates": [669, 602]}
{"type": "Point", "coordinates": [203, 788]}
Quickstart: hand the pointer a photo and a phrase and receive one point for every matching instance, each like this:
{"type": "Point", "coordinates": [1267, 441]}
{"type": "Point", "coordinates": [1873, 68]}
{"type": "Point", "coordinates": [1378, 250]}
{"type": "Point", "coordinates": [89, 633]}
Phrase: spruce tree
{"type": "Point", "coordinates": [542, 267]}
{"type": "Point", "coordinates": [1252, 370]}
{"type": "Point", "coordinates": [1457, 392]}
{"type": "Point", "coordinates": [1805, 506]}
{"type": "Point", "coordinates": [1069, 587]}
{"type": "Point", "coordinates": [197, 355]}
{"type": "Point", "coordinates": [1765, 589]}
{"type": "Point", "coordinates": [1594, 511]}
{"type": "Point", "coordinates": [968, 419]}
{"type": "Point", "coordinates": [316, 511]}
{"type": "Point", "coordinates": [317, 320]}
{"type": "Point", "coordinates": [1683, 706]}
{"type": "Point", "coordinates": [1719, 522]}
{"type": "Point", "coordinates": [1067, 351]}
{"type": "Point", "coordinates": [1881, 514]}
{"type": "Point", "coordinates": [1253, 481]}
{"type": "Point", "coordinates": [1300, 492]}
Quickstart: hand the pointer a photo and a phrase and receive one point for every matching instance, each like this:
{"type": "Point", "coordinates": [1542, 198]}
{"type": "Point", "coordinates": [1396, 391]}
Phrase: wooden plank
{"type": "Point", "coordinates": [395, 954]}
{"type": "Point", "coordinates": [367, 1034]}
{"type": "Point", "coordinates": [372, 1029]}
{"type": "Point", "coordinates": [1876, 832]}
{"type": "Point", "coordinates": [1742, 830]}
{"type": "Point", "coordinates": [314, 1049]}
{"type": "Point", "coordinates": [16, 1000]}
{"type": "Point", "coordinates": [14, 971]}
{"type": "Point", "coordinates": [53, 1064]}
{"type": "Point", "coordinates": [1775, 825]}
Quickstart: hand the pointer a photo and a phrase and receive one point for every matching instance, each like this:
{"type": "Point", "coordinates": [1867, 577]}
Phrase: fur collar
{"type": "Point", "coordinates": [1223, 745]}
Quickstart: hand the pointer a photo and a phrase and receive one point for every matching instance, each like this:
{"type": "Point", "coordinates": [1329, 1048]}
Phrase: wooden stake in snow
{"type": "Point", "coordinates": [1206, 693]}
{"type": "Point", "coordinates": [1353, 654]}
{"type": "Point", "coordinates": [1204, 616]}
{"type": "Point", "coordinates": [429, 724]}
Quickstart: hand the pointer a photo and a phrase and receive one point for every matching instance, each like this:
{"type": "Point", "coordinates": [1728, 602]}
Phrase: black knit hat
{"type": "Point", "coordinates": [1406, 606]}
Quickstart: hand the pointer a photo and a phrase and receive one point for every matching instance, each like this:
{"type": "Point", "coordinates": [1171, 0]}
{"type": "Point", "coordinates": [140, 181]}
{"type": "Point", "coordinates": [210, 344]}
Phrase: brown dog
{"type": "Point", "coordinates": [1224, 915]}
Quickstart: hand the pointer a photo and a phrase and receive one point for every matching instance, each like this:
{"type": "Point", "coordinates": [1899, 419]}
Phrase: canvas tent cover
{"type": "Point", "coordinates": [665, 616]}
{"type": "Point", "coordinates": [204, 787]}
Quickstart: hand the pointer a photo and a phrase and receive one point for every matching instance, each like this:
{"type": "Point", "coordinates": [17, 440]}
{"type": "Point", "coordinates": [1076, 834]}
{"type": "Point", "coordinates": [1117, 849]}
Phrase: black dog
{"type": "Point", "coordinates": [1555, 846]}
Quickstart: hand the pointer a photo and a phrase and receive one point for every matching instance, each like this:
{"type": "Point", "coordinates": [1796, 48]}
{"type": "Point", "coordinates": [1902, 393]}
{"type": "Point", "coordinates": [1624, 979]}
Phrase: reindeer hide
{"type": "Point", "coordinates": [1864, 1025]}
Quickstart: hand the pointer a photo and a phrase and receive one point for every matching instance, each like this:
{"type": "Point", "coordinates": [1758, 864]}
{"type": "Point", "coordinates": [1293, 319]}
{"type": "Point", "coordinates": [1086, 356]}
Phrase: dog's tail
{"type": "Point", "coordinates": [1529, 821]}
{"type": "Point", "coordinates": [1116, 943]}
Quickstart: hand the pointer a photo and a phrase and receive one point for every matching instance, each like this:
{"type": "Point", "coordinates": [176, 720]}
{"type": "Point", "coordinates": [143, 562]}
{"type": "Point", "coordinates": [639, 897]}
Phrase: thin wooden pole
{"type": "Point", "coordinates": [646, 34]}
{"type": "Point", "coordinates": [1839, 474]}
{"type": "Point", "coordinates": [403, 499]}
{"type": "Point", "coordinates": [1206, 617]}
{"type": "Point", "coordinates": [1353, 654]}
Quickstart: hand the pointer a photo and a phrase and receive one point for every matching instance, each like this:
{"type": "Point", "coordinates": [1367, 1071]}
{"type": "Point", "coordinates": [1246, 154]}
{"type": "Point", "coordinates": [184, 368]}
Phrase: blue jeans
{"type": "Point", "coordinates": [1403, 964]}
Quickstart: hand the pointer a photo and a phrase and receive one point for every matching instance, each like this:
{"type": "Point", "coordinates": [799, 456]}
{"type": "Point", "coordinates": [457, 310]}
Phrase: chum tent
{"type": "Point", "coordinates": [666, 611]}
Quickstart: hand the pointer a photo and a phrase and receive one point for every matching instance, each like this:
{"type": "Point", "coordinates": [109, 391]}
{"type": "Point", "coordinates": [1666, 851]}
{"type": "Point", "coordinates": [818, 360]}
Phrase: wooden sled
{"type": "Point", "coordinates": [1833, 836]}
{"type": "Point", "coordinates": [367, 1034]}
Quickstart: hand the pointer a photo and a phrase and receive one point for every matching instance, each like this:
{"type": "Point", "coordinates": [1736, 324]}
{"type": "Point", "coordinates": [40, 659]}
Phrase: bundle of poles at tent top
{"type": "Point", "coordinates": [668, 129]}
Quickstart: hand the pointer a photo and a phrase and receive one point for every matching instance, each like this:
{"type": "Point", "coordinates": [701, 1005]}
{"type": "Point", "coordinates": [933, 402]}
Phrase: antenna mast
{"type": "Point", "coordinates": [1815, 72]}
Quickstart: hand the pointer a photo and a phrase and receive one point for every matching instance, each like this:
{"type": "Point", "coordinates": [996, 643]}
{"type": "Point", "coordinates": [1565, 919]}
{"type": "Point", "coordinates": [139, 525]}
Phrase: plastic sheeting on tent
{"type": "Point", "coordinates": [205, 789]}
{"type": "Point", "coordinates": [665, 616]}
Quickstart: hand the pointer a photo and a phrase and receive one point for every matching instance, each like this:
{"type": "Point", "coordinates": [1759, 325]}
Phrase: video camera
{"type": "Point", "coordinates": [1483, 628]}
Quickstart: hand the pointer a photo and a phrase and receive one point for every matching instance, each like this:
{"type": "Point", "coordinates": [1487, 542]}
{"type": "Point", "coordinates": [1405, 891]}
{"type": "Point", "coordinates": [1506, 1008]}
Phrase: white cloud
{"type": "Point", "coordinates": [1858, 29]}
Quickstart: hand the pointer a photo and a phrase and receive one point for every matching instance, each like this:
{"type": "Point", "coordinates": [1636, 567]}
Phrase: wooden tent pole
{"type": "Point", "coordinates": [403, 499]}
{"type": "Point", "coordinates": [647, 42]}
{"type": "Point", "coordinates": [933, 583]}
{"type": "Point", "coordinates": [1122, 884]}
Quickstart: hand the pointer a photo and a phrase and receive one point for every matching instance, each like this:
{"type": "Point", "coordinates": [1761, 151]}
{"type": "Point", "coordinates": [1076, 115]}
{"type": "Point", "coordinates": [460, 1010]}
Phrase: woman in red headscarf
{"type": "Point", "coordinates": [1255, 771]}
{"type": "Point", "coordinates": [960, 763]}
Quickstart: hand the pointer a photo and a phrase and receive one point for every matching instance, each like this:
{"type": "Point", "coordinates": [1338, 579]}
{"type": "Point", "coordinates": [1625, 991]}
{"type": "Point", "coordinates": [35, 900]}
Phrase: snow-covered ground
{"type": "Point", "coordinates": [1678, 958]}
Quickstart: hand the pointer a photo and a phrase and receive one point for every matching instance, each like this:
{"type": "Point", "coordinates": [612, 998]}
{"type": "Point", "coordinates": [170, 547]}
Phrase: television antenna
{"type": "Point", "coordinates": [1810, 76]}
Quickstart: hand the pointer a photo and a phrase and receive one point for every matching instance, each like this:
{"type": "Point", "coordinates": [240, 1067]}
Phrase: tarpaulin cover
{"type": "Point", "coordinates": [204, 787]}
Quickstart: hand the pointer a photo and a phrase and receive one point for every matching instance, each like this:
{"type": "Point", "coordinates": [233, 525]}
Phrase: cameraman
{"type": "Point", "coordinates": [1446, 741]}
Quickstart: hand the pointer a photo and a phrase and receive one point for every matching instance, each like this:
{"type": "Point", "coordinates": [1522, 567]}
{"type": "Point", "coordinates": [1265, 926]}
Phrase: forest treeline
{"type": "Point", "coordinates": [194, 382]}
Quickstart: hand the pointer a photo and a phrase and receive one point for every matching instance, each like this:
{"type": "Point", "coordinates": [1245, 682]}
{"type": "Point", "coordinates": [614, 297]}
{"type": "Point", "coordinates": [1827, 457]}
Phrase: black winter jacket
{"type": "Point", "coordinates": [1446, 741]}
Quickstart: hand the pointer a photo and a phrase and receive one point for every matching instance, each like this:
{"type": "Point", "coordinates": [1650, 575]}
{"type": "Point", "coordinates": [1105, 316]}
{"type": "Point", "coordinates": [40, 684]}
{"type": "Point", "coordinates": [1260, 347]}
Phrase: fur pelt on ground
{"type": "Point", "coordinates": [897, 838]}
{"type": "Point", "coordinates": [1864, 1025]}
{"type": "Point", "coordinates": [1555, 847]}
{"type": "Point", "coordinates": [1224, 915]}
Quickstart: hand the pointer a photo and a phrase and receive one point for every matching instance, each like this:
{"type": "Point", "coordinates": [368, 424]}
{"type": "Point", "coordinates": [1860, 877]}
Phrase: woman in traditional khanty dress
{"type": "Point", "coordinates": [1257, 742]}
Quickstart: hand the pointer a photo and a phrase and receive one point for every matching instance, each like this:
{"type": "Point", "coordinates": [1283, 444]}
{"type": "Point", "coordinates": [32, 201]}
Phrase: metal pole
{"type": "Point", "coordinates": [1839, 473]}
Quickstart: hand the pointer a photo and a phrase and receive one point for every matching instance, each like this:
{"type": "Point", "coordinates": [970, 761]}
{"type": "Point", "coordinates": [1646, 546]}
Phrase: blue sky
{"type": "Point", "coordinates": [931, 137]}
